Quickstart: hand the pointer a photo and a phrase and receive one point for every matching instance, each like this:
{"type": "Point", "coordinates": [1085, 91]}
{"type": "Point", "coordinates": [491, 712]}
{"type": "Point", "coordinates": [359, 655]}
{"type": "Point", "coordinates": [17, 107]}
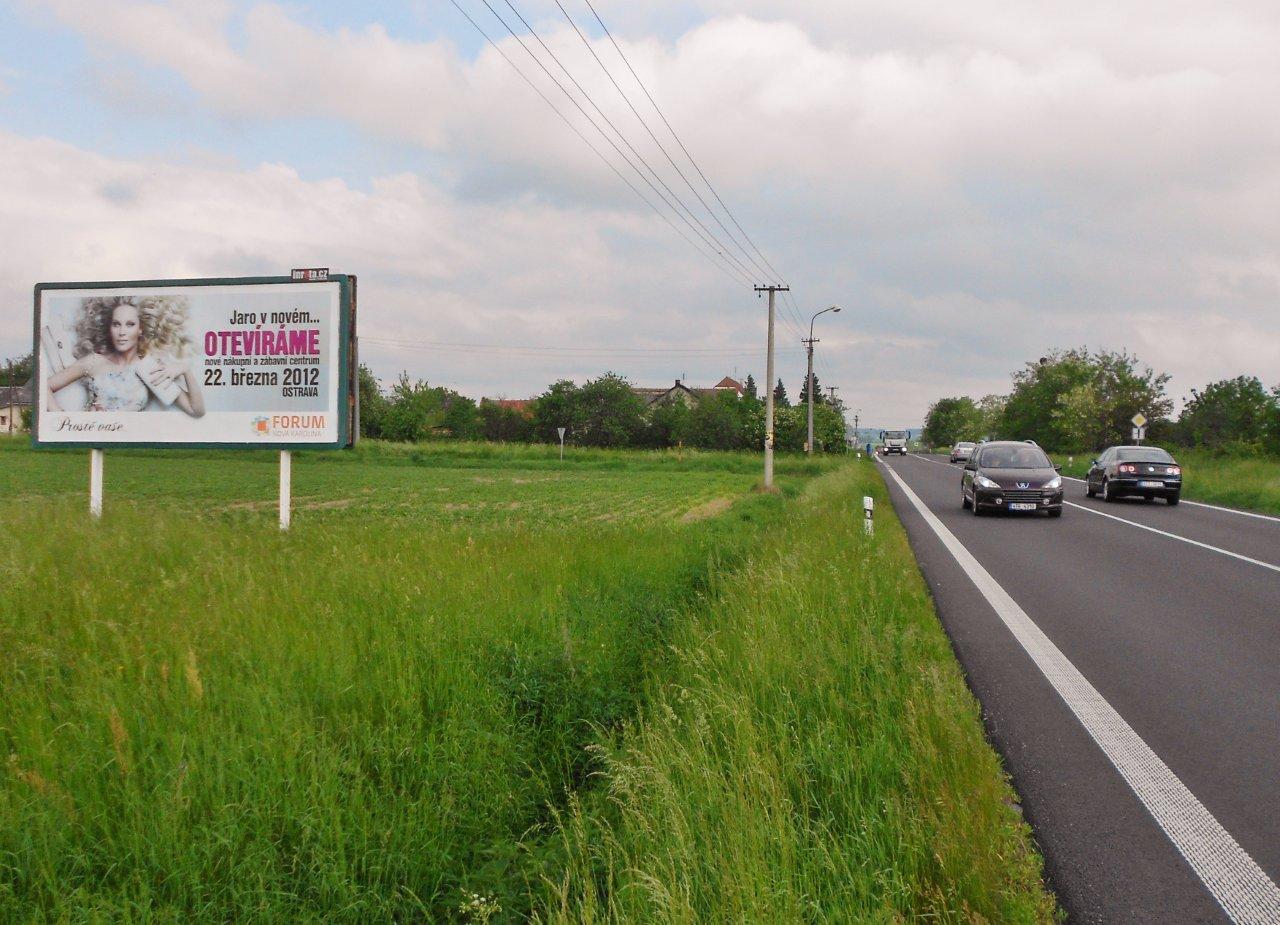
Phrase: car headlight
{"type": "Point", "coordinates": [1053, 484]}
{"type": "Point", "coordinates": [983, 482]}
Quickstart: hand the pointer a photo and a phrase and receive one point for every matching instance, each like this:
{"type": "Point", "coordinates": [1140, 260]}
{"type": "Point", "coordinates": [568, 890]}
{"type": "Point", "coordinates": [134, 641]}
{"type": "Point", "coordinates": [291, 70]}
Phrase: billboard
{"type": "Point", "coordinates": [257, 362]}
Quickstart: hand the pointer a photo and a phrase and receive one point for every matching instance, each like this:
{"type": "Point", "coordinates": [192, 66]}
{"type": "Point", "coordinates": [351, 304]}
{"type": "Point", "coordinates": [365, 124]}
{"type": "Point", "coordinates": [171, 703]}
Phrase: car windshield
{"type": "Point", "coordinates": [895, 435]}
{"type": "Point", "coordinates": [1015, 457]}
{"type": "Point", "coordinates": [1143, 454]}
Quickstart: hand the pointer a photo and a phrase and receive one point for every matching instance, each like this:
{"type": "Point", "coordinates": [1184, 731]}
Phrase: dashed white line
{"type": "Point", "coordinates": [1140, 526]}
{"type": "Point", "coordinates": [1174, 536]}
{"type": "Point", "coordinates": [1212, 507]}
{"type": "Point", "coordinates": [1234, 879]}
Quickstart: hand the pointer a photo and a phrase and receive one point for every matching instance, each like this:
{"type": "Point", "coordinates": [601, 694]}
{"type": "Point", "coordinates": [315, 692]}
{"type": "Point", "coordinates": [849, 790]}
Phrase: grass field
{"type": "Point", "coordinates": [475, 684]}
{"type": "Point", "coordinates": [1251, 484]}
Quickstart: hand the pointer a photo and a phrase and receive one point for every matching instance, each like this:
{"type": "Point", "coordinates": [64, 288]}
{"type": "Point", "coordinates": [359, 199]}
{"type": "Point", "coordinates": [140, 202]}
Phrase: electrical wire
{"type": "Point", "coordinates": [764, 274]}
{"type": "Point", "coordinates": [723, 266]}
{"type": "Point", "coordinates": [662, 116]}
{"type": "Point", "coordinates": [700, 228]}
{"type": "Point", "coordinates": [686, 352]}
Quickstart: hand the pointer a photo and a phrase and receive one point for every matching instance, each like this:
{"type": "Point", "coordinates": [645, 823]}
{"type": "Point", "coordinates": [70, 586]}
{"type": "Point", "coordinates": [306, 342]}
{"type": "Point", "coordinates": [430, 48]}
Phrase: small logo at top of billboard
{"type": "Point", "coordinates": [311, 275]}
{"type": "Point", "coordinates": [261, 426]}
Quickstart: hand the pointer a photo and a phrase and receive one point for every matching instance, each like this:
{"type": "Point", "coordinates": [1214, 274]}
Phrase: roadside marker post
{"type": "Point", "coordinates": [560, 431]}
{"type": "Point", "coordinates": [286, 489]}
{"type": "Point", "coordinates": [95, 483]}
{"type": "Point", "coordinates": [868, 516]}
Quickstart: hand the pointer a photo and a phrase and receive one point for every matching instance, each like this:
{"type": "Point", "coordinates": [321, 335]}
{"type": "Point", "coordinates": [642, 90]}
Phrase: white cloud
{"type": "Point", "coordinates": [982, 182]}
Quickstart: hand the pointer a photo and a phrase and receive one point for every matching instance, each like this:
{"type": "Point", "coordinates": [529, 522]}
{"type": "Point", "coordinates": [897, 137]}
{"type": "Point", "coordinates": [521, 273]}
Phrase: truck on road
{"type": "Point", "coordinates": [893, 441]}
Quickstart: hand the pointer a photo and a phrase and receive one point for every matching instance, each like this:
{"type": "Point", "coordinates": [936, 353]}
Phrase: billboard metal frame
{"type": "Point", "coordinates": [348, 391]}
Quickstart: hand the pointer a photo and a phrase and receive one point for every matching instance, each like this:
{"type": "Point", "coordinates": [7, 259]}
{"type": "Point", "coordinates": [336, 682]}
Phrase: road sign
{"type": "Point", "coordinates": [1139, 420]}
{"type": "Point", "coordinates": [1139, 434]}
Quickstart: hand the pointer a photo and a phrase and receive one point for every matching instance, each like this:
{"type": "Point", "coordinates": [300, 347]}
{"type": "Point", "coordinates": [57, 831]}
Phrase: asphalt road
{"type": "Point", "coordinates": [1181, 640]}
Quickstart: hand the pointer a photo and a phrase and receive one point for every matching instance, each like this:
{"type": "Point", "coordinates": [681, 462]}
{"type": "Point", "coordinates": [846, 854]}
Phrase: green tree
{"type": "Point", "coordinates": [780, 396]}
{"type": "Point", "coordinates": [415, 410]}
{"type": "Point", "coordinates": [373, 404]}
{"type": "Point", "coordinates": [558, 406]}
{"type": "Point", "coordinates": [951, 420]}
{"type": "Point", "coordinates": [749, 388]}
{"type": "Point", "coordinates": [461, 419]}
{"type": "Point", "coordinates": [817, 393]}
{"type": "Point", "coordinates": [719, 422]}
{"type": "Point", "coordinates": [503, 425]}
{"type": "Point", "coordinates": [1046, 404]}
{"type": "Point", "coordinates": [17, 370]}
{"type": "Point", "coordinates": [830, 430]}
{"type": "Point", "coordinates": [991, 416]}
{"type": "Point", "coordinates": [611, 414]}
{"type": "Point", "coordinates": [1078, 417]}
{"type": "Point", "coordinates": [668, 424]}
{"type": "Point", "coordinates": [1236, 410]}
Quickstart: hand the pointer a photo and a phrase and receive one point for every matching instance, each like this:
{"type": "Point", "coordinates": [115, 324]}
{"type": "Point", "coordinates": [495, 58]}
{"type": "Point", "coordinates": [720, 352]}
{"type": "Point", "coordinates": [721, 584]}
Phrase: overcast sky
{"type": "Point", "coordinates": [974, 183]}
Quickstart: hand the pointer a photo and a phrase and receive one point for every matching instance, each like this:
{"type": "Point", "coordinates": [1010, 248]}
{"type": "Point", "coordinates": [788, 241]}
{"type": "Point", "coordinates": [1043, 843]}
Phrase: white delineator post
{"type": "Point", "coordinates": [560, 430]}
{"type": "Point", "coordinates": [95, 482]}
{"type": "Point", "coordinates": [286, 488]}
{"type": "Point", "coordinates": [868, 515]}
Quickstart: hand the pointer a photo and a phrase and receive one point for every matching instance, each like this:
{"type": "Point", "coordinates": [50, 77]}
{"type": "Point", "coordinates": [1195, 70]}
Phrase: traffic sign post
{"type": "Point", "coordinates": [560, 431]}
{"type": "Point", "coordinates": [1139, 421]}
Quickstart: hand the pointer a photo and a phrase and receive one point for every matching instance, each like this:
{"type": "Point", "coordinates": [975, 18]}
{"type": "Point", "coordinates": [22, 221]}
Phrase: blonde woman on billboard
{"type": "Point", "coordinates": [129, 349]}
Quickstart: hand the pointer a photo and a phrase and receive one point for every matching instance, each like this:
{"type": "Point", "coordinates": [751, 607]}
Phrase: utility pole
{"type": "Point", "coordinates": [808, 447]}
{"type": "Point", "coordinates": [768, 399]}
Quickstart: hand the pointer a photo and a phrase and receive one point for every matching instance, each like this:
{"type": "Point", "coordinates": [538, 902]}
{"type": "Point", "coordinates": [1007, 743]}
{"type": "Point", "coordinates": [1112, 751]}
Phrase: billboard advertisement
{"type": "Point", "coordinates": [259, 362]}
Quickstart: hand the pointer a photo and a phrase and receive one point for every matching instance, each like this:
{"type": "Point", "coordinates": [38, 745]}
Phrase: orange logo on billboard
{"type": "Point", "coordinates": [261, 426]}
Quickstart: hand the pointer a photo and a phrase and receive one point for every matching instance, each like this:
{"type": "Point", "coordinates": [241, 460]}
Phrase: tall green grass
{"type": "Point", "coordinates": [811, 754]}
{"type": "Point", "coordinates": [361, 720]}
{"type": "Point", "coordinates": [748, 716]}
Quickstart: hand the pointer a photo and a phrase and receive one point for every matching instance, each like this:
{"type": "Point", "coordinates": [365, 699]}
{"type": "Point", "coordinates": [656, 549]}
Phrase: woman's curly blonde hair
{"type": "Point", "coordinates": [163, 319]}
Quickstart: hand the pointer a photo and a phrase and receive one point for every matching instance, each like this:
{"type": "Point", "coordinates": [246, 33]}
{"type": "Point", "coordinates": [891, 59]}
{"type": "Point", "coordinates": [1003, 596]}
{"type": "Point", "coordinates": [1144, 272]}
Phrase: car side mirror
{"type": "Point", "coordinates": [1093, 463]}
{"type": "Point", "coordinates": [971, 465]}
{"type": "Point", "coordinates": [1057, 468]}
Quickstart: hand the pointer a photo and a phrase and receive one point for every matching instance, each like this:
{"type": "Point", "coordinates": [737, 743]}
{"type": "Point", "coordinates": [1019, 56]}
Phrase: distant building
{"type": "Point", "coordinates": [687, 396]}
{"type": "Point", "coordinates": [13, 400]}
{"type": "Point", "coordinates": [524, 406]}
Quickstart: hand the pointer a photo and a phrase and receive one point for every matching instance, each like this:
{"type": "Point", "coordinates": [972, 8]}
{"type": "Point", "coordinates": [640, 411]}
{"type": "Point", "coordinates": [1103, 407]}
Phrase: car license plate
{"type": "Point", "coordinates": [1021, 506]}
{"type": "Point", "coordinates": [1151, 484]}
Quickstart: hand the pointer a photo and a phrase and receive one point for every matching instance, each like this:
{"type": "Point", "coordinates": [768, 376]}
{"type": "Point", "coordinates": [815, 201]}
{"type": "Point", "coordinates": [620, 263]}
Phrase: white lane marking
{"type": "Point", "coordinates": [1134, 523]}
{"type": "Point", "coordinates": [1174, 536]}
{"type": "Point", "coordinates": [1214, 507]}
{"type": "Point", "coordinates": [1232, 510]}
{"type": "Point", "coordinates": [1239, 885]}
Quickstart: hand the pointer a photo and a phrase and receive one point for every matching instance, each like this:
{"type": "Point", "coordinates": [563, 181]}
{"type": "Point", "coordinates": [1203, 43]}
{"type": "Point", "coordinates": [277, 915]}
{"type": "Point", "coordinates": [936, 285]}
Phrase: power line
{"type": "Point", "coordinates": [722, 265]}
{"type": "Point", "coordinates": [686, 352]}
{"type": "Point", "coordinates": [665, 122]}
{"type": "Point", "coordinates": [701, 230]}
{"type": "Point", "coordinates": [644, 123]}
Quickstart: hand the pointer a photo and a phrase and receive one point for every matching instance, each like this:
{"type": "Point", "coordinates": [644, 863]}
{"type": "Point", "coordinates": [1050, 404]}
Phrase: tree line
{"type": "Point", "coordinates": [602, 412]}
{"type": "Point", "coordinates": [1082, 400]}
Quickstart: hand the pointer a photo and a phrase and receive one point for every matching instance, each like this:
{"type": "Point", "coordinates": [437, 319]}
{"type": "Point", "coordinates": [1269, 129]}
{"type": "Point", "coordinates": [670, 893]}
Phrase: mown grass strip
{"type": "Point", "coordinates": [812, 754]}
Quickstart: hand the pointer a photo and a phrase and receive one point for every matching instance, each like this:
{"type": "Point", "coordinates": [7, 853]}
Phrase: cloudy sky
{"type": "Point", "coordinates": [974, 183]}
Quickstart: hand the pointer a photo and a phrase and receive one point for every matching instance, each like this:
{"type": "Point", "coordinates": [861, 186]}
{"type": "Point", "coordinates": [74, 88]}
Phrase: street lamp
{"type": "Point", "coordinates": [808, 447]}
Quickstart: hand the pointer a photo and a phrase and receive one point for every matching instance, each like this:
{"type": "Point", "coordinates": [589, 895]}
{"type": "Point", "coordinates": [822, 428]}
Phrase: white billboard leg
{"type": "Point", "coordinates": [286, 488]}
{"type": "Point", "coordinates": [95, 483]}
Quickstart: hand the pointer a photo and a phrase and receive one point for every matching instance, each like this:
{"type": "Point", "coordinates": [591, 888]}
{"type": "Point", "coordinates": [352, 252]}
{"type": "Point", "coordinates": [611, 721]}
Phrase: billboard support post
{"type": "Point", "coordinates": [286, 488]}
{"type": "Point", "coordinates": [95, 482]}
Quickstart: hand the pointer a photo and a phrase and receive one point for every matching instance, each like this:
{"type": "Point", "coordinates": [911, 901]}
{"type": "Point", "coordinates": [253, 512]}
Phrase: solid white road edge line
{"type": "Point", "coordinates": [1239, 885]}
{"type": "Point", "coordinates": [1212, 507]}
{"type": "Point", "coordinates": [1174, 536]}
